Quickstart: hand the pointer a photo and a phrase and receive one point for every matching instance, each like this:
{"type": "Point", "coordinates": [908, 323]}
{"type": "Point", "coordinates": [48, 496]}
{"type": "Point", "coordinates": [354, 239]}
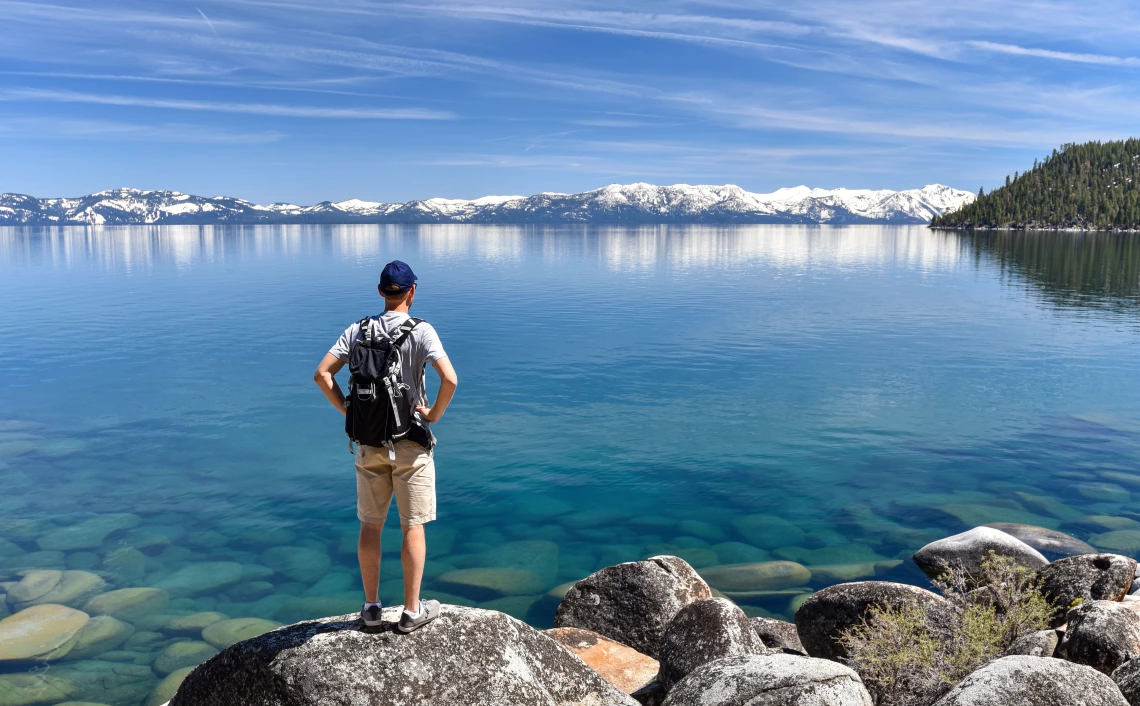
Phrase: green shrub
{"type": "Point", "coordinates": [911, 655]}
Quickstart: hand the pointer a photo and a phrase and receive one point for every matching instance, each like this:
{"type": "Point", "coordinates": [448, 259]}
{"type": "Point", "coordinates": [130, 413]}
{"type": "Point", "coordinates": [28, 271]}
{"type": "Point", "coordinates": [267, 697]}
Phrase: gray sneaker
{"type": "Point", "coordinates": [429, 611]}
{"type": "Point", "coordinates": [370, 614]}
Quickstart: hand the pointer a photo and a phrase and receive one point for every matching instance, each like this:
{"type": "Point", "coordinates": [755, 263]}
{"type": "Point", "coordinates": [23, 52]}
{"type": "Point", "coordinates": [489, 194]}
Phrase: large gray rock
{"type": "Point", "coordinates": [633, 602]}
{"type": "Point", "coordinates": [708, 629]}
{"type": "Point", "coordinates": [770, 680]}
{"type": "Point", "coordinates": [968, 549]}
{"type": "Point", "coordinates": [1052, 544]}
{"type": "Point", "coordinates": [1101, 634]}
{"type": "Point", "coordinates": [1127, 678]}
{"type": "Point", "coordinates": [778, 634]}
{"type": "Point", "coordinates": [1089, 577]}
{"type": "Point", "coordinates": [1042, 643]}
{"type": "Point", "coordinates": [821, 620]}
{"type": "Point", "coordinates": [1033, 681]}
{"type": "Point", "coordinates": [466, 656]}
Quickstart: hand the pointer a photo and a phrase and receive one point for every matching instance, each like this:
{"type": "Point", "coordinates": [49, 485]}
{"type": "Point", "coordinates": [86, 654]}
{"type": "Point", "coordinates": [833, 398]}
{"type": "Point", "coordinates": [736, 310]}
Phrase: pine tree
{"type": "Point", "coordinates": [1094, 185]}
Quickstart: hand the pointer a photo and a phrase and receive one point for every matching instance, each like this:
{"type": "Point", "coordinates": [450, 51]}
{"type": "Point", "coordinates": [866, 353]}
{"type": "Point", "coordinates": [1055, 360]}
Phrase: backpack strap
{"type": "Point", "coordinates": [404, 330]}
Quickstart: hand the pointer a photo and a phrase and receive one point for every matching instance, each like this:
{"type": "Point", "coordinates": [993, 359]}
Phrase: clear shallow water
{"type": "Point", "coordinates": [623, 392]}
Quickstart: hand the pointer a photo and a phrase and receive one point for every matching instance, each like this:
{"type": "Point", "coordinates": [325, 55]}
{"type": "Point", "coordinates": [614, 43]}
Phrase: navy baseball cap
{"type": "Point", "coordinates": [397, 278]}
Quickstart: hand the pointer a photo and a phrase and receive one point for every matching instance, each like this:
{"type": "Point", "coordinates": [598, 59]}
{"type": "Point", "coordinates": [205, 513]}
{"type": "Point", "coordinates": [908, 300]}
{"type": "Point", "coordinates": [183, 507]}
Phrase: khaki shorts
{"type": "Point", "coordinates": [411, 477]}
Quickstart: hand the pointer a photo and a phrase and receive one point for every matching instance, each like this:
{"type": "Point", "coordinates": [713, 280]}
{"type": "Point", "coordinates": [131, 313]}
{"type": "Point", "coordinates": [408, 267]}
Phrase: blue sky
{"type": "Point", "coordinates": [302, 101]}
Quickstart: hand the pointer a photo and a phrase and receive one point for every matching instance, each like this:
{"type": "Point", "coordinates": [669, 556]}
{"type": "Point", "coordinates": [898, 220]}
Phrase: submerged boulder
{"type": "Point", "coordinates": [823, 617]}
{"type": "Point", "coordinates": [633, 602]}
{"type": "Point", "coordinates": [1089, 577]}
{"type": "Point", "coordinates": [1051, 543]}
{"type": "Point", "coordinates": [968, 549]}
{"type": "Point", "coordinates": [1102, 635]}
{"type": "Point", "coordinates": [701, 632]}
{"type": "Point", "coordinates": [466, 656]}
{"type": "Point", "coordinates": [770, 680]}
{"type": "Point", "coordinates": [1034, 681]}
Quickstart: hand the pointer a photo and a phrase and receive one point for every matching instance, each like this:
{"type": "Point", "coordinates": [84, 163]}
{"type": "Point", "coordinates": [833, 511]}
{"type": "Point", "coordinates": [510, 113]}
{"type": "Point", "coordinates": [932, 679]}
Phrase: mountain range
{"type": "Point", "coordinates": [617, 203]}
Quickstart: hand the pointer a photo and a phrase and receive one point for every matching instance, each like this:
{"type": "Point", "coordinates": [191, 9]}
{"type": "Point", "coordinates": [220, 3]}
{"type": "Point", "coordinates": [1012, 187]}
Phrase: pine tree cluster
{"type": "Point", "coordinates": [1092, 186]}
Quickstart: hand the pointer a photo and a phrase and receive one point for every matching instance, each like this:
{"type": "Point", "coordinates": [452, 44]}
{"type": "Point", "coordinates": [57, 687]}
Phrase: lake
{"type": "Point", "coordinates": [832, 396]}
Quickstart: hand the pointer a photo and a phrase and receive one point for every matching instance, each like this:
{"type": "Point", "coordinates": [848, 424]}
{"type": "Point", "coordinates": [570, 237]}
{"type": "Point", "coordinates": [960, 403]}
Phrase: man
{"type": "Point", "coordinates": [405, 467]}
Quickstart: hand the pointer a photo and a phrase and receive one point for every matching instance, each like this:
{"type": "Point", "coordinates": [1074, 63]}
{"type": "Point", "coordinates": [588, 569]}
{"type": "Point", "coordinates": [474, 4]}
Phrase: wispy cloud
{"type": "Point", "coordinates": [39, 127]}
{"type": "Point", "coordinates": [1015, 50]}
{"type": "Point", "coordinates": [247, 108]}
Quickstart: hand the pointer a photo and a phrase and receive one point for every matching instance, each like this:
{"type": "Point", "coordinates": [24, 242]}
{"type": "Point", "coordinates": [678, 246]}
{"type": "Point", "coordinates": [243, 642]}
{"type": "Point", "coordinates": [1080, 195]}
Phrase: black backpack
{"type": "Point", "coordinates": [379, 407]}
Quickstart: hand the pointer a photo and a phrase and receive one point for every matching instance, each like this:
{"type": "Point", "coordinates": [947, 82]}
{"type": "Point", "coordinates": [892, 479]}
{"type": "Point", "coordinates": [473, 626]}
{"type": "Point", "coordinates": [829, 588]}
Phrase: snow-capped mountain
{"type": "Point", "coordinates": [617, 203]}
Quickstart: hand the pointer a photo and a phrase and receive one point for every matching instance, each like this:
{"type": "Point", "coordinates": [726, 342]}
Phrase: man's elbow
{"type": "Point", "coordinates": [319, 377]}
{"type": "Point", "coordinates": [452, 380]}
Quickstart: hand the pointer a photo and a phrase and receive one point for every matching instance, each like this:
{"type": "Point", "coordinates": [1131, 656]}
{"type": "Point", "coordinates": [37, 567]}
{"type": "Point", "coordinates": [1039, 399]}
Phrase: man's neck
{"type": "Point", "coordinates": [401, 308]}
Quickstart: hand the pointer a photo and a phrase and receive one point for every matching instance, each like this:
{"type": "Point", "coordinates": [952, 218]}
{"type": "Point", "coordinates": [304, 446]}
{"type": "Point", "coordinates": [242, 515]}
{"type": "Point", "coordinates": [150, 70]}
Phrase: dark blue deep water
{"type": "Point", "coordinates": [835, 397]}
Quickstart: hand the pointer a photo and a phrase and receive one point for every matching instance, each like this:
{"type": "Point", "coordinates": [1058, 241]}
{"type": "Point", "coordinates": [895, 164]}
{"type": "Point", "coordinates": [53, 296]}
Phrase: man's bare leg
{"type": "Point", "coordinates": [412, 556]}
{"type": "Point", "coordinates": [368, 554]}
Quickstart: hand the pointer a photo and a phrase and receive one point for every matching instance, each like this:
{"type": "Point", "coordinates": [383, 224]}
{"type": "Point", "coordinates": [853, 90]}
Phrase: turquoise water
{"type": "Point", "coordinates": [835, 397]}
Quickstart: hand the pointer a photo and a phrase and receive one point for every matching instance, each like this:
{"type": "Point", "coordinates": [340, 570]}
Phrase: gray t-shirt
{"type": "Point", "coordinates": [420, 349]}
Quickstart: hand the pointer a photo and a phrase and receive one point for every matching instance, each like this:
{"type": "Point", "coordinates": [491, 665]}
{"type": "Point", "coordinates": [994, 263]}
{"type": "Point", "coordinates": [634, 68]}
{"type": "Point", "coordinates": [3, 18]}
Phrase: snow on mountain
{"type": "Point", "coordinates": [616, 203]}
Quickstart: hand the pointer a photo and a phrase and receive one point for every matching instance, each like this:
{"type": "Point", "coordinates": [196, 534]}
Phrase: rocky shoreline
{"type": "Point", "coordinates": [654, 632]}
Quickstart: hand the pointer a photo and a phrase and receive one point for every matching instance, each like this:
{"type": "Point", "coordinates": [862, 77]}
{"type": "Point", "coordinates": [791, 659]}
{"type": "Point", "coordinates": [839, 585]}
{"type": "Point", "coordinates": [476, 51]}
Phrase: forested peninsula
{"type": "Point", "coordinates": [1092, 186]}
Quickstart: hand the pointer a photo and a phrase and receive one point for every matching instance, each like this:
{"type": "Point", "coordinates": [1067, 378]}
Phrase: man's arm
{"type": "Point", "coordinates": [326, 380]}
{"type": "Point", "coordinates": [448, 381]}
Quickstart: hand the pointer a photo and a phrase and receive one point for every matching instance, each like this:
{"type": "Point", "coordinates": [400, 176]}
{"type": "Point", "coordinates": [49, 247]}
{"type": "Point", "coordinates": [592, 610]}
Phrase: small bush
{"type": "Point", "coordinates": [909, 656]}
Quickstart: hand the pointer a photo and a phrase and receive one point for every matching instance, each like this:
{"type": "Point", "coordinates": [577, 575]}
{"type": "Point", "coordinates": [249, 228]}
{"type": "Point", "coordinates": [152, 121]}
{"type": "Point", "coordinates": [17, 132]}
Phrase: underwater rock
{"type": "Point", "coordinates": [268, 537]}
{"type": "Point", "coordinates": [493, 581]}
{"type": "Point", "coordinates": [168, 687]}
{"type": "Point", "coordinates": [230, 632]}
{"type": "Point", "coordinates": [71, 589]}
{"type": "Point", "coordinates": [181, 655]}
{"type": "Point", "coordinates": [1107, 492]}
{"type": "Point", "coordinates": [88, 534]}
{"type": "Point", "coordinates": [760, 576]}
{"type": "Point", "coordinates": [632, 603]}
{"type": "Point", "coordinates": [969, 549]}
{"type": "Point", "coordinates": [1051, 543]}
{"type": "Point", "coordinates": [34, 560]}
{"type": "Point", "coordinates": [1124, 541]}
{"type": "Point", "coordinates": [515, 606]}
{"type": "Point", "coordinates": [128, 564]}
{"type": "Point", "coordinates": [39, 630]}
{"type": "Point", "coordinates": [106, 682]}
{"type": "Point", "coordinates": [539, 557]}
{"type": "Point", "coordinates": [33, 585]}
{"type": "Point", "coordinates": [334, 583]}
{"type": "Point", "coordinates": [622, 666]}
{"type": "Point", "coordinates": [768, 531]}
{"type": "Point", "coordinates": [128, 603]}
{"type": "Point", "coordinates": [770, 680]}
{"type": "Point", "coordinates": [1033, 681]}
{"type": "Point", "coordinates": [32, 689]}
{"type": "Point", "coordinates": [486, 659]}
{"type": "Point", "coordinates": [193, 624]}
{"type": "Point", "coordinates": [251, 590]}
{"type": "Point", "coordinates": [980, 514]}
{"type": "Point", "coordinates": [704, 530]}
{"type": "Point", "coordinates": [101, 634]}
{"type": "Point", "coordinates": [701, 632]}
{"type": "Point", "coordinates": [298, 563]}
{"type": "Point", "coordinates": [201, 577]}
{"type": "Point", "coordinates": [739, 553]}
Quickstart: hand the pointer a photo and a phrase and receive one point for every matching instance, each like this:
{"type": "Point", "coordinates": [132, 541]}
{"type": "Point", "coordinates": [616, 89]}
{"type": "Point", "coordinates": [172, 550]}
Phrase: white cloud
{"type": "Point", "coordinates": [248, 108]}
{"type": "Point", "coordinates": [1058, 55]}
